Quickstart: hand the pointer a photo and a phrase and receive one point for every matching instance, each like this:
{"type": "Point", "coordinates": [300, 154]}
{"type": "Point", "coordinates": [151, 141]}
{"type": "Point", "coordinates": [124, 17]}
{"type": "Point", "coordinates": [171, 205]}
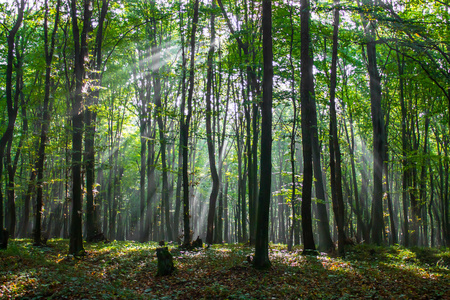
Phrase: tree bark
{"type": "Point", "coordinates": [159, 112]}
{"type": "Point", "coordinates": [185, 122]}
{"type": "Point", "coordinates": [92, 226]}
{"type": "Point", "coordinates": [76, 237]}
{"type": "Point", "coordinates": [378, 134]}
{"type": "Point", "coordinates": [335, 152]}
{"type": "Point", "coordinates": [405, 177]}
{"type": "Point", "coordinates": [209, 135]}
{"type": "Point", "coordinates": [45, 119]}
{"type": "Point", "coordinates": [281, 206]}
{"type": "Point", "coordinates": [12, 107]}
{"type": "Point", "coordinates": [261, 260]}
{"type": "Point", "coordinates": [226, 229]}
{"type": "Point", "coordinates": [307, 109]}
{"type": "Point", "coordinates": [292, 145]}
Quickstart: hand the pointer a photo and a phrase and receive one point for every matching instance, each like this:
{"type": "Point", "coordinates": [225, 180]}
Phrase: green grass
{"type": "Point", "coordinates": [126, 270]}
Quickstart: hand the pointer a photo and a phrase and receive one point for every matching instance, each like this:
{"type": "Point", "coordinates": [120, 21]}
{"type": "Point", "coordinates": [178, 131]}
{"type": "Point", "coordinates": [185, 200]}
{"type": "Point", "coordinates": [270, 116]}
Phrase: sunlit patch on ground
{"type": "Point", "coordinates": [126, 270]}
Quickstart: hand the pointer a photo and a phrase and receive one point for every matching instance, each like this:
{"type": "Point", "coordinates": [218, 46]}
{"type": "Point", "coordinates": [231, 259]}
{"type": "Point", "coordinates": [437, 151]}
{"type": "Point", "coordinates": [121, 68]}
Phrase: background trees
{"type": "Point", "coordinates": [131, 82]}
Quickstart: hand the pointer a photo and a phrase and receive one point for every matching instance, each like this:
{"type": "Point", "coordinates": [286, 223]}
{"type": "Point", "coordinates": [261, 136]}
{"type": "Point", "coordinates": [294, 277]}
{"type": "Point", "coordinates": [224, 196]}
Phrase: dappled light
{"type": "Point", "coordinates": [128, 270]}
{"type": "Point", "coordinates": [224, 149]}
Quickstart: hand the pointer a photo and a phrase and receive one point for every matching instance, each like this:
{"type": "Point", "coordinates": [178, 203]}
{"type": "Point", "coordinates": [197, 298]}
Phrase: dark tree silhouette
{"type": "Point", "coordinates": [261, 260]}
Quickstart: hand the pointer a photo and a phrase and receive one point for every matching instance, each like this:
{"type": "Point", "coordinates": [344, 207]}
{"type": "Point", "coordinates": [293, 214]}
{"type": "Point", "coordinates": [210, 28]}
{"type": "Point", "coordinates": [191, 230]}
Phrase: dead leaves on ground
{"type": "Point", "coordinates": [126, 270]}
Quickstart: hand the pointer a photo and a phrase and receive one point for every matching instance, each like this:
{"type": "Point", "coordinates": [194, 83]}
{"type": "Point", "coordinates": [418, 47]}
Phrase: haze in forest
{"type": "Point", "coordinates": [321, 124]}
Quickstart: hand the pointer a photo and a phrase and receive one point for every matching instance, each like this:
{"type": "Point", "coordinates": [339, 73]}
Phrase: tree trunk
{"type": "Point", "coordinates": [92, 226]}
{"type": "Point", "coordinates": [209, 135]}
{"type": "Point", "coordinates": [307, 109]}
{"type": "Point", "coordinates": [253, 179]}
{"type": "Point", "coordinates": [185, 122]}
{"type": "Point", "coordinates": [159, 112]}
{"type": "Point", "coordinates": [261, 260]}
{"type": "Point", "coordinates": [142, 128]}
{"type": "Point", "coordinates": [151, 188]}
{"type": "Point", "coordinates": [178, 195]}
{"type": "Point", "coordinates": [405, 178]}
{"type": "Point", "coordinates": [423, 179]}
{"type": "Point", "coordinates": [12, 108]}
{"type": "Point", "coordinates": [378, 137]}
{"type": "Point", "coordinates": [226, 225]}
{"type": "Point", "coordinates": [292, 145]}
{"type": "Point", "coordinates": [335, 152]}
{"type": "Point", "coordinates": [11, 216]}
{"type": "Point", "coordinates": [281, 205]}
{"type": "Point", "coordinates": [24, 222]}
{"type": "Point", "coordinates": [45, 120]}
{"type": "Point", "coordinates": [76, 237]}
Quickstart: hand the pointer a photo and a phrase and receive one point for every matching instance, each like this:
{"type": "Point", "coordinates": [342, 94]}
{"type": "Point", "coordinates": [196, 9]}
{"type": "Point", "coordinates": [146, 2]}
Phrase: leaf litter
{"type": "Point", "coordinates": [126, 270]}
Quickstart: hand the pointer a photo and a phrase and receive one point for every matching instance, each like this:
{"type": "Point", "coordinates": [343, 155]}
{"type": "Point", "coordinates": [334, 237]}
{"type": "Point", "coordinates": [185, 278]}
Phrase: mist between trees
{"type": "Point", "coordinates": [168, 120]}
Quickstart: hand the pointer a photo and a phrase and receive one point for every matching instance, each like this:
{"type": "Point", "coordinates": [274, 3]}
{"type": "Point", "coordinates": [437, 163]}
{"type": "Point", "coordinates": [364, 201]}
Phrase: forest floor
{"type": "Point", "coordinates": [126, 270]}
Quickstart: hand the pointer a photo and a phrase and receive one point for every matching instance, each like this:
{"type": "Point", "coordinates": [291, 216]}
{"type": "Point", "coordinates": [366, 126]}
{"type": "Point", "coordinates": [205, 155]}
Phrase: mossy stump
{"type": "Point", "coordinates": [165, 262]}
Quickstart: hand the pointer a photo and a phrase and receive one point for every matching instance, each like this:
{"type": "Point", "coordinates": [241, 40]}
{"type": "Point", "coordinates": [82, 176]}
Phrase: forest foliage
{"type": "Point", "coordinates": [127, 270]}
{"type": "Point", "coordinates": [145, 121]}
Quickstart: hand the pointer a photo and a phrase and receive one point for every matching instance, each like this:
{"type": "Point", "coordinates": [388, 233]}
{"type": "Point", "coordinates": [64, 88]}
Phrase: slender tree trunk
{"type": "Point", "coordinates": [335, 152]}
{"type": "Point", "coordinates": [361, 227]}
{"type": "Point", "coordinates": [11, 164]}
{"type": "Point", "coordinates": [159, 112]}
{"type": "Point", "coordinates": [226, 234]}
{"type": "Point", "coordinates": [292, 142]}
{"type": "Point", "coordinates": [92, 225]}
{"type": "Point", "coordinates": [253, 180]}
{"type": "Point", "coordinates": [26, 210]}
{"type": "Point", "coordinates": [24, 222]}
{"type": "Point", "coordinates": [430, 207]}
{"type": "Point", "coordinates": [209, 135]}
{"type": "Point", "coordinates": [181, 176]}
{"type": "Point", "coordinates": [394, 238]}
{"type": "Point", "coordinates": [11, 216]}
{"type": "Point", "coordinates": [261, 260]}
{"type": "Point", "coordinates": [378, 136]}
{"type": "Point", "coordinates": [178, 194]}
{"type": "Point", "coordinates": [142, 128]}
{"type": "Point", "coordinates": [12, 105]}
{"type": "Point", "coordinates": [325, 241]}
{"type": "Point", "coordinates": [76, 237]}
{"type": "Point", "coordinates": [307, 109]}
{"type": "Point", "coordinates": [281, 205]}
{"type": "Point", "coordinates": [241, 193]}
{"type": "Point", "coordinates": [248, 163]}
{"type": "Point", "coordinates": [445, 199]}
{"type": "Point", "coordinates": [45, 120]}
{"type": "Point", "coordinates": [405, 178]}
{"type": "Point", "coordinates": [185, 122]}
{"type": "Point", "coordinates": [150, 226]}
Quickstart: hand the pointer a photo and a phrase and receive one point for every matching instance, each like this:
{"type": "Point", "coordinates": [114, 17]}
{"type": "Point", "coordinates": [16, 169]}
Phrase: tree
{"type": "Point", "coordinates": [209, 135]}
{"type": "Point", "coordinates": [80, 47]}
{"type": "Point", "coordinates": [159, 117]}
{"type": "Point", "coordinates": [184, 132]}
{"type": "Point", "coordinates": [12, 103]}
{"type": "Point", "coordinates": [261, 260]}
{"type": "Point", "coordinates": [92, 226]}
{"type": "Point", "coordinates": [335, 152]}
{"type": "Point", "coordinates": [307, 111]}
{"type": "Point", "coordinates": [377, 133]}
{"type": "Point", "coordinates": [48, 49]}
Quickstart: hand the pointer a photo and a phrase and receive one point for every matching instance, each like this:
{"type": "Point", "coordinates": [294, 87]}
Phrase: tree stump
{"type": "Point", "coordinates": [4, 241]}
{"type": "Point", "coordinates": [198, 243]}
{"type": "Point", "coordinates": [99, 237]}
{"type": "Point", "coordinates": [165, 262]}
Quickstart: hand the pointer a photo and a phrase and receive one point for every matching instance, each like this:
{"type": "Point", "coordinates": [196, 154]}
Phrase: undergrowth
{"type": "Point", "coordinates": [126, 270]}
